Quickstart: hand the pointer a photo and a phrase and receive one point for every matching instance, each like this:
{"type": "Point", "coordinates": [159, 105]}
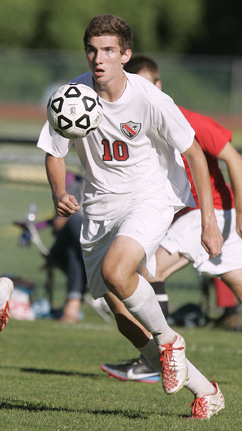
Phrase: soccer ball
{"type": "Point", "coordinates": [74, 111]}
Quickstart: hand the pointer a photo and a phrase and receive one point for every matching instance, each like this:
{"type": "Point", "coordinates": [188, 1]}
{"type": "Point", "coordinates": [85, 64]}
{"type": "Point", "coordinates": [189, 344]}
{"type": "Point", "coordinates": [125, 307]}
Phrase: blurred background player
{"type": "Point", "coordinates": [215, 141]}
{"type": "Point", "coordinates": [66, 252]}
{"type": "Point", "coordinates": [6, 289]}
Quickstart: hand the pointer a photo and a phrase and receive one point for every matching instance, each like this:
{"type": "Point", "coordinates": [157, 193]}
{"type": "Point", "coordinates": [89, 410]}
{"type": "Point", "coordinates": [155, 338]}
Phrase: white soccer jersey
{"type": "Point", "coordinates": [139, 133]}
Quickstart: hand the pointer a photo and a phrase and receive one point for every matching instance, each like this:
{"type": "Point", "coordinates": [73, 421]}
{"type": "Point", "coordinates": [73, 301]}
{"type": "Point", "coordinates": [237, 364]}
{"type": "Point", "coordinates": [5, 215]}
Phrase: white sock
{"type": "Point", "coordinates": [143, 305]}
{"type": "Point", "coordinates": [197, 383]}
{"type": "Point", "coordinates": [150, 351]}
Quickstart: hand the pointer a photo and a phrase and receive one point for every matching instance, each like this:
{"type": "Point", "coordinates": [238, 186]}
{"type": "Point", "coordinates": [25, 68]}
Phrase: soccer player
{"type": "Point", "coordinates": [6, 289]}
{"type": "Point", "coordinates": [216, 143]}
{"type": "Point", "coordinates": [133, 168]}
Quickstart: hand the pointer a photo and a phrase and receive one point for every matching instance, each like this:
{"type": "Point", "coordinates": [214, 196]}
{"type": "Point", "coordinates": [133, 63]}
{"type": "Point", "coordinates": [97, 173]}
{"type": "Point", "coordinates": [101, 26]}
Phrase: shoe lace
{"type": "Point", "coordinates": [199, 407]}
{"type": "Point", "coordinates": [167, 357]}
{"type": "Point", "coordinates": [168, 365]}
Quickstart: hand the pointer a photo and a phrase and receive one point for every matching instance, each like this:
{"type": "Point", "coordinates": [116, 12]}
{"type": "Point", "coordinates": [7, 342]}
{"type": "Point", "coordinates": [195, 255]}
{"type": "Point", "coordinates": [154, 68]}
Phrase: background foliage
{"type": "Point", "coordinates": [174, 26]}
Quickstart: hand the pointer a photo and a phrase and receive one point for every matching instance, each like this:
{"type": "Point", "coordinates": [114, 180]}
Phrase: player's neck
{"type": "Point", "coordinates": [112, 90]}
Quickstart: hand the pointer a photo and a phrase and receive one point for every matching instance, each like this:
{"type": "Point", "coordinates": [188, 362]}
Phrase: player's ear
{"type": "Point", "coordinates": [126, 56]}
{"type": "Point", "coordinates": [158, 84]}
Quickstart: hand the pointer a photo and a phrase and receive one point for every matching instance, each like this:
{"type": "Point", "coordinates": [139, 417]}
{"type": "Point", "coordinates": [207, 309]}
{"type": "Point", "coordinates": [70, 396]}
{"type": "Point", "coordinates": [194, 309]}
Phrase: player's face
{"type": "Point", "coordinates": [105, 59]}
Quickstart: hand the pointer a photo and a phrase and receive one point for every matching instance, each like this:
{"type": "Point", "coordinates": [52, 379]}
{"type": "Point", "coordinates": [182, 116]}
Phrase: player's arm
{"type": "Point", "coordinates": [211, 239]}
{"type": "Point", "coordinates": [65, 204]}
{"type": "Point", "coordinates": [233, 162]}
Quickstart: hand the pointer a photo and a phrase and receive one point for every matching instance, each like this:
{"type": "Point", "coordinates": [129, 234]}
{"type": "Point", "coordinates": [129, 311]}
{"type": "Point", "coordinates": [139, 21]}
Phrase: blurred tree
{"type": "Point", "coordinates": [17, 22]}
{"type": "Point", "coordinates": [158, 25]}
{"type": "Point", "coordinates": [175, 21]}
{"type": "Point", "coordinates": [220, 30]}
{"type": "Point", "coordinates": [195, 26]}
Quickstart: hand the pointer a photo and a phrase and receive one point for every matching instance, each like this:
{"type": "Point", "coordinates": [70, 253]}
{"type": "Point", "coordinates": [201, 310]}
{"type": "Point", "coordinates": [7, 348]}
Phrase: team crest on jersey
{"type": "Point", "coordinates": [130, 129]}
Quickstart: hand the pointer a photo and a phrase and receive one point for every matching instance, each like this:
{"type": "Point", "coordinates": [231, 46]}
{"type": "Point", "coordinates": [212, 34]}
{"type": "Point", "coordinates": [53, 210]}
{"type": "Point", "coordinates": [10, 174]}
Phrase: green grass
{"type": "Point", "coordinates": [51, 379]}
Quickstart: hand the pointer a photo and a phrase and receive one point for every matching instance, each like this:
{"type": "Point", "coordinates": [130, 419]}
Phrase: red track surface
{"type": "Point", "coordinates": [34, 112]}
{"type": "Point", "coordinates": [22, 112]}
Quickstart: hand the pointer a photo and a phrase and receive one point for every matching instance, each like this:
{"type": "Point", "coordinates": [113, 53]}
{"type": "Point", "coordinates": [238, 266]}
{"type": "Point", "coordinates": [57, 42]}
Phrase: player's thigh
{"type": "Point", "coordinates": [122, 258]}
{"type": "Point", "coordinates": [168, 263]}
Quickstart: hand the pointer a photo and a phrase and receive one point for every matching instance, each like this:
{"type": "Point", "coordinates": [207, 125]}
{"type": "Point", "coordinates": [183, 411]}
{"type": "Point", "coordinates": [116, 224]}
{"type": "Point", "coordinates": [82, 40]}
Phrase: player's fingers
{"type": "Point", "coordinates": [65, 212]}
{"type": "Point", "coordinates": [213, 255]}
{"type": "Point", "coordinates": [73, 200]}
{"type": "Point", "coordinates": [67, 209]}
{"type": "Point", "coordinates": [68, 203]}
{"type": "Point", "coordinates": [214, 250]}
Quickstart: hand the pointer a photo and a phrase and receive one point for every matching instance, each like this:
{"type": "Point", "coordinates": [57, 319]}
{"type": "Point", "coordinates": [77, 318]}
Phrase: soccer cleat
{"type": "Point", "coordinates": [138, 370]}
{"type": "Point", "coordinates": [208, 406]}
{"type": "Point", "coordinates": [174, 365]}
{"type": "Point", "coordinates": [6, 289]}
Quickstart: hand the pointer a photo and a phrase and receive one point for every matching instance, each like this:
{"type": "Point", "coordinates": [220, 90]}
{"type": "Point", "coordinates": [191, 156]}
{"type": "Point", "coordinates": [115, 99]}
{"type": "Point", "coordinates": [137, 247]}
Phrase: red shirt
{"type": "Point", "coordinates": [212, 137]}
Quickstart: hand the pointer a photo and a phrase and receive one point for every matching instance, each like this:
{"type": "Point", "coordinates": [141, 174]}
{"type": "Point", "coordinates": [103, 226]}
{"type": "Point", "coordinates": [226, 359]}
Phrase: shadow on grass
{"type": "Point", "coordinates": [38, 407]}
{"type": "Point", "coordinates": [32, 407]}
{"type": "Point", "coordinates": [123, 413]}
{"type": "Point", "coordinates": [60, 373]}
{"type": "Point", "coordinates": [56, 372]}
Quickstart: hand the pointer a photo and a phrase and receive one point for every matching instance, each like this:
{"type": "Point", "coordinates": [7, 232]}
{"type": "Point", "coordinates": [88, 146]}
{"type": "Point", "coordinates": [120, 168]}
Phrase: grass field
{"type": "Point", "coordinates": [51, 380]}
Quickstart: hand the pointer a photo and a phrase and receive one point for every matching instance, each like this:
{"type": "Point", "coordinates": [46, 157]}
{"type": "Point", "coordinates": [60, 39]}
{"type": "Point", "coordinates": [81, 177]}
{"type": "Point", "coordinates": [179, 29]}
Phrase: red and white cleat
{"type": "Point", "coordinates": [174, 365]}
{"type": "Point", "coordinates": [208, 405]}
{"type": "Point", "coordinates": [6, 289]}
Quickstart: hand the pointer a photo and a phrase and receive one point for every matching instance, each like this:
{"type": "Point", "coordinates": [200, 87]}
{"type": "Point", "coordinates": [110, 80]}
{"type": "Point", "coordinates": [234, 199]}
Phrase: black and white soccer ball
{"type": "Point", "coordinates": [74, 111]}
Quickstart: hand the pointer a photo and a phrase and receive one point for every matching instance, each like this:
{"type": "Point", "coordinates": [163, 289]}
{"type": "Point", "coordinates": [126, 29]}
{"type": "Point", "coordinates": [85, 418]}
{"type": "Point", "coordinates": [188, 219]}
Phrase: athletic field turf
{"type": "Point", "coordinates": [51, 379]}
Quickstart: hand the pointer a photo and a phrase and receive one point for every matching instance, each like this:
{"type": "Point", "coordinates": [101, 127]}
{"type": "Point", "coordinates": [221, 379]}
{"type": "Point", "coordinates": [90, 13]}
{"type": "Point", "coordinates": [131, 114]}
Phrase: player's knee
{"type": "Point", "coordinates": [113, 276]}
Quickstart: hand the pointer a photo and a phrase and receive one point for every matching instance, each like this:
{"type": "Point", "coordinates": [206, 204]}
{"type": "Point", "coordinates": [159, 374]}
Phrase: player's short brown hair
{"type": "Point", "coordinates": [141, 62]}
{"type": "Point", "coordinates": [110, 25]}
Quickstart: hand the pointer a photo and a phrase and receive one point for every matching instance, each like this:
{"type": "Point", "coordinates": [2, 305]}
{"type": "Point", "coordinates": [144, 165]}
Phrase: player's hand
{"type": "Point", "coordinates": [66, 205]}
{"type": "Point", "coordinates": [212, 240]}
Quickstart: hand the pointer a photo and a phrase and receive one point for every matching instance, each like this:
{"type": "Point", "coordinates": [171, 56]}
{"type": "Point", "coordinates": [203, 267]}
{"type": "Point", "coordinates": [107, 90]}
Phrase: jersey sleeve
{"type": "Point", "coordinates": [211, 135]}
{"type": "Point", "coordinates": [174, 126]}
{"type": "Point", "coordinates": [52, 143]}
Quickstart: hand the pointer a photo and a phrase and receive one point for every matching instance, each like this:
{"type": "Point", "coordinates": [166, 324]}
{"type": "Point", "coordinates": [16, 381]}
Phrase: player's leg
{"type": "Point", "coordinates": [231, 318]}
{"type": "Point", "coordinates": [166, 264]}
{"type": "Point", "coordinates": [139, 368]}
{"type": "Point", "coordinates": [234, 280]}
{"type": "Point", "coordinates": [134, 331]}
{"type": "Point", "coordinates": [119, 270]}
{"type": "Point", "coordinates": [159, 288]}
{"type": "Point", "coordinates": [197, 383]}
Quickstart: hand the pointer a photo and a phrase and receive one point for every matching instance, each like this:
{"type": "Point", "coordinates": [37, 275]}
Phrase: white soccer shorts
{"type": "Point", "coordinates": [184, 236]}
{"type": "Point", "coordinates": [146, 221]}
